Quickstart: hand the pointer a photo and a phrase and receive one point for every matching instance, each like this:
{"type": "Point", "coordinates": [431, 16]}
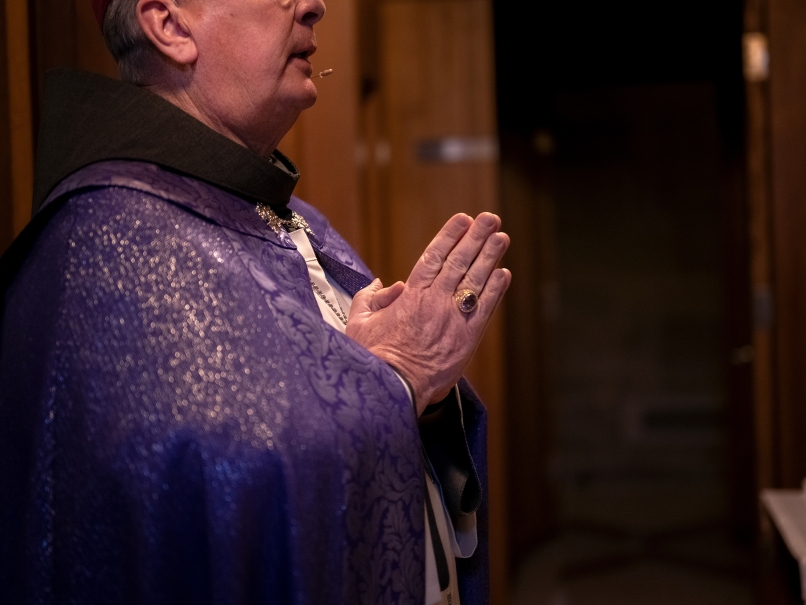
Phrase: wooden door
{"type": "Point", "coordinates": [775, 73]}
{"type": "Point", "coordinates": [6, 203]}
{"type": "Point", "coordinates": [776, 143]}
{"type": "Point", "coordinates": [323, 141]}
{"type": "Point", "coordinates": [787, 155]}
{"type": "Point", "coordinates": [37, 35]}
{"type": "Point", "coordinates": [16, 134]}
{"type": "Point", "coordinates": [432, 152]}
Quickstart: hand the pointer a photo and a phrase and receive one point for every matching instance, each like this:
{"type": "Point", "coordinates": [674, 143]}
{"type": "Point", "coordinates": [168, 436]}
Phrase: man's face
{"type": "Point", "coordinates": [253, 72]}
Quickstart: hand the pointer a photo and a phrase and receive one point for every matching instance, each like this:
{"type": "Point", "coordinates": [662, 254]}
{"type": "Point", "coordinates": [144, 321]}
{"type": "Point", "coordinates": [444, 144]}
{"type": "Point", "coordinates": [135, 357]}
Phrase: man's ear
{"type": "Point", "coordinates": [161, 21]}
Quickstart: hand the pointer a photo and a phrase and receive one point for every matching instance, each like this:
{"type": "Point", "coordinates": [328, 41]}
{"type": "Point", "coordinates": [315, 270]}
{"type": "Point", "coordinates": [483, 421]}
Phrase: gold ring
{"type": "Point", "coordinates": [466, 300]}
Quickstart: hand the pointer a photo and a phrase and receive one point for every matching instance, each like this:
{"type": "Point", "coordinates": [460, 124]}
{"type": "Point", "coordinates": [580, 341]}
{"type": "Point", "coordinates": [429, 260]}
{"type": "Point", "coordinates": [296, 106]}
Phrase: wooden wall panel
{"type": "Point", "coordinates": [20, 135]}
{"type": "Point", "coordinates": [53, 43]}
{"type": "Point", "coordinates": [65, 34]}
{"type": "Point", "coordinates": [532, 306]}
{"type": "Point", "coordinates": [323, 141]}
{"type": "Point", "coordinates": [436, 81]}
{"type": "Point", "coordinates": [761, 258]}
{"type": "Point", "coordinates": [787, 106]}
{"type": "Point", "coordinates": [90, 49]}
{"type": "Point", "coordinates": [776, 143]}
{"type": "Point", "coordinates": [761, 274]}
{"type": "Point", "coordinates": [6, 230]}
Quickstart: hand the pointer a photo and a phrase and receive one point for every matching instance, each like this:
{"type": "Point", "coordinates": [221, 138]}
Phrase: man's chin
{"type": "Point", "coordinates": [308, 98]}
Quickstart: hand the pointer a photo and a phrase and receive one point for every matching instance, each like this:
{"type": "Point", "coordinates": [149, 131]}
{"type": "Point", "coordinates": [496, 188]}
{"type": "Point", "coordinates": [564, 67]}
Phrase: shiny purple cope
{"type": "Point", "coordinates": [178, 424]}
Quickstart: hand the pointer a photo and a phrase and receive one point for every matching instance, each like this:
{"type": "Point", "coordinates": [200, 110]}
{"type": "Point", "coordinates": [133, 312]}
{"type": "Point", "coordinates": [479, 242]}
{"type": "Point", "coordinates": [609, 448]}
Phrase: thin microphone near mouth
{"type": "Point", "coordinates": [322, 74]}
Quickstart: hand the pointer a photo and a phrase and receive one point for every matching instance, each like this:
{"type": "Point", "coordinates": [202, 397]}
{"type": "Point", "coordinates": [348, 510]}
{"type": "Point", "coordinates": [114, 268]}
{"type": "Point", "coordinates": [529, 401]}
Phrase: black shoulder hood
{"type": "Point", "coordinates": [89, 118]}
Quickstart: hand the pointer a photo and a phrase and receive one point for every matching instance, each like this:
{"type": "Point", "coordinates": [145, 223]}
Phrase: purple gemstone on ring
{"type": "Point", "coordinates": [467, 300]}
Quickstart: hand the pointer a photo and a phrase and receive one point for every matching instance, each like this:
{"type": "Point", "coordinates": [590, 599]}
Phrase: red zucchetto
{"type": "Point", "coordinates": [99, 8]}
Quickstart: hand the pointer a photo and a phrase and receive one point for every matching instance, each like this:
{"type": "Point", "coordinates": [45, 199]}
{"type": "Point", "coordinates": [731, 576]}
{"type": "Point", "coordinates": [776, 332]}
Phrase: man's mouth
{"type": "Point", "coordinates": [303, 54]}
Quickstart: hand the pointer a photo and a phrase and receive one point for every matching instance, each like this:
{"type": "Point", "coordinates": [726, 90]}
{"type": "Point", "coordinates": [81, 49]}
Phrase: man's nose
{"type": "Point", "coordinates": [310, 12]}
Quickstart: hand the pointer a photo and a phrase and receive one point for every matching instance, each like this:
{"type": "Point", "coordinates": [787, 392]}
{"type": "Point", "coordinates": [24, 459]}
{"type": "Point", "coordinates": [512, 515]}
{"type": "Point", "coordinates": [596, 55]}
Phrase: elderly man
{"type": "Point", "coordinates": [204, 397]}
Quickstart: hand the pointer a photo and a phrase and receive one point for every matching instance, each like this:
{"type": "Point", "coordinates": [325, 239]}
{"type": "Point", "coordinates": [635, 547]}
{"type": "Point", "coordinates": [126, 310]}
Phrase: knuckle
{"type": "Point", "coordinates": [497, 281]}
{"type": "Point", "coordinates": [431, 259]}
{"type": "Point", "coordinates": [491, 253]}
{"type": "Point", "coordinates": [456, 263]}
{"type": "Point", "coordinates": [478, 235]}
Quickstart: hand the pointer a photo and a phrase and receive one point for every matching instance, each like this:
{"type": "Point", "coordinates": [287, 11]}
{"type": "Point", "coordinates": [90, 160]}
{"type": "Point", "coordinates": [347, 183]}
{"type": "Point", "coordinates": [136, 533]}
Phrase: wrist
{"type": "Point", "coordinates": [421, 393]}
{"type": "Point", "coordinates": [409, 388]}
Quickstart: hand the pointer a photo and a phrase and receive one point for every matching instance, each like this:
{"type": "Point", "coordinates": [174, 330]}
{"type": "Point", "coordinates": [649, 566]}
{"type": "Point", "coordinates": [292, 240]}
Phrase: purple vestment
{"type": "Point", "coordinates": [178, 424]}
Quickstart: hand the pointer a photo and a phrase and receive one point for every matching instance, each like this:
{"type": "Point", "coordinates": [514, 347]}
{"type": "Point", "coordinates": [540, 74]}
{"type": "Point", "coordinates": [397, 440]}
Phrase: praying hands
{"type": "Point", "coordinates": [429, 327]}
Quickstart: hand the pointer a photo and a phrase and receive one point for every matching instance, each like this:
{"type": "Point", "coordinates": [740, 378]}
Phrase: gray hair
{"type": "Point", "coordinates": [130, 47]}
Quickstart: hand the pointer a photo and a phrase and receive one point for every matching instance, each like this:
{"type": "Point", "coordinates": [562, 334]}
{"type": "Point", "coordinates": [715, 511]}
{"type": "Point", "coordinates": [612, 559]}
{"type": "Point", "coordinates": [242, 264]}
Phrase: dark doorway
{"type": "Point", "coordinates": [622, 131]}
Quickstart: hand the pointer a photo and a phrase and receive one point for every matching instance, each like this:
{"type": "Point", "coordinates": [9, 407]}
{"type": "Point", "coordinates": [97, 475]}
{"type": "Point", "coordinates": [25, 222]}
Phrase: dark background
{"type": "Point", "coordinates": [544, 48]}
{"type": "Point", "coordinates": [630, 413]}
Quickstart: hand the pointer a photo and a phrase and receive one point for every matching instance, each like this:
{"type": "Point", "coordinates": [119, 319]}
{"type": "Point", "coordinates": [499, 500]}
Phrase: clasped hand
{"type": "Point", "coordinates": [417, 327]}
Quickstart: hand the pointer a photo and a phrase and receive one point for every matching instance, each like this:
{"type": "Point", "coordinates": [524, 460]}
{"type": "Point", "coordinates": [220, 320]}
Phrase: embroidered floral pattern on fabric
{"type": "Point", "coordinates": [342, 373]}
{"type": "Point", "coordinates": [217, 376]}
